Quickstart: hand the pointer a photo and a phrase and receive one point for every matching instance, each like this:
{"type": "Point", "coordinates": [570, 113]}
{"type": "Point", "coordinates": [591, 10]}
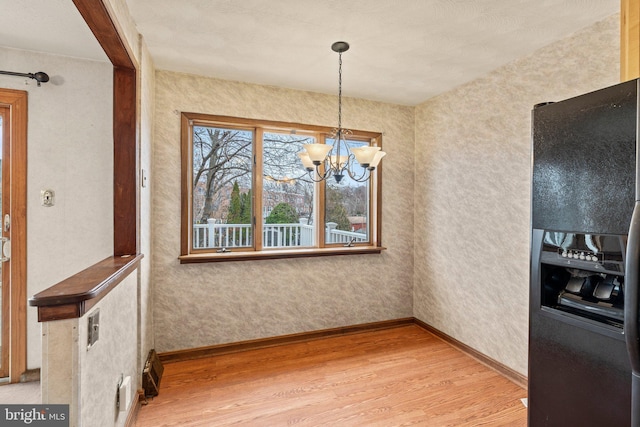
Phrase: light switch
{"type": "Point", "coordinates": [143, 178]}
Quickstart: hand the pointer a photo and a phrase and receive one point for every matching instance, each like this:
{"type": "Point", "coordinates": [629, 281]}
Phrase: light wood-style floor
{"type": "Point", "coordinates": [394, 377]}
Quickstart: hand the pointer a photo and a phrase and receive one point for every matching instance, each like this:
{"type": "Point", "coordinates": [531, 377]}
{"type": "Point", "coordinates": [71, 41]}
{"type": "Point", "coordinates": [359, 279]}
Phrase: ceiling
{"type": "Point", "coordinates": [402, 51]}
{"type": "Point", "coordinates": [51, 26]}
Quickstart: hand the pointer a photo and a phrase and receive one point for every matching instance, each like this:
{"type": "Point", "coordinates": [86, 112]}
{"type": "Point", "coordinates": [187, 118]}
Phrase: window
{"type": "Point", "coordinates": [246, 194]}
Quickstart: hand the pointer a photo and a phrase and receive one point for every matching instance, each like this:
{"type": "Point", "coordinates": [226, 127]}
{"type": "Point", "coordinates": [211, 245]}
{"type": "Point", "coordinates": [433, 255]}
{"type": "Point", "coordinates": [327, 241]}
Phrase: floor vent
{"type": "Point", "coordinates": [152, 375]}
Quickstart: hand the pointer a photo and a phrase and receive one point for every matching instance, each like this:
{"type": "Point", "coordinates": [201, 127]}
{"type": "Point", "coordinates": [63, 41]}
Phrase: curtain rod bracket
{"type": "Point", "coordinates": [40, 77]}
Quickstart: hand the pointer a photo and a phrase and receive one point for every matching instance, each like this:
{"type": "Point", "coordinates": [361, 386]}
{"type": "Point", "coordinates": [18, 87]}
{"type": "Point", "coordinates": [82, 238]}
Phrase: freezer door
{"type": "Point", "coordinates": [584, 162]}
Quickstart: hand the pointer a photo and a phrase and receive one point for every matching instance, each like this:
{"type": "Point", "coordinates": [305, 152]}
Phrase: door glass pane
{"type": "Point", "coordinates": [347, 204]}
{"type": "Point", "coordinates": [222, 169]}
{"type": "Point", "coordinates": [287, 192]}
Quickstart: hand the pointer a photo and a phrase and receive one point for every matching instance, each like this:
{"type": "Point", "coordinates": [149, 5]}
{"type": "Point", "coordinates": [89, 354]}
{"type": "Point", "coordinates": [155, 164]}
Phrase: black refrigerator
{"type": "Point", "coordinates": [584, 351]}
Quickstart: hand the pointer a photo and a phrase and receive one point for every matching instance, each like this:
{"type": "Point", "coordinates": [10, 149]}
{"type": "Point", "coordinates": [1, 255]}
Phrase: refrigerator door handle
{"type": "Point", "coordinates": [631, 336]}
{"type": "Point", "coordinates": [632, 267]}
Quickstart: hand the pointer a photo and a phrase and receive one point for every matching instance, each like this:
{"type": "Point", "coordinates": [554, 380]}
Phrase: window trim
{"type": "Point", "coordinates": [190, 255]}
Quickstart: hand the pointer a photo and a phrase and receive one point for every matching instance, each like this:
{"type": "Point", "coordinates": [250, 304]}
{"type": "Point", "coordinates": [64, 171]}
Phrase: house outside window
{"type": "Point", "coordinates": [246, 195]}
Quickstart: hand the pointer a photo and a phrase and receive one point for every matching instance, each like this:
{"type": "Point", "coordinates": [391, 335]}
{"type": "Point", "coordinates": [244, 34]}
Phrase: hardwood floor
{"type": "Point", "coordinates": [394, 377]}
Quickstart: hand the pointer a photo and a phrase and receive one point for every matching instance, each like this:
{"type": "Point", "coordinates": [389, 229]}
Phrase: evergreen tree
{"type": "Point", "coordinates": [245, 211]}
{"type": "Point", "coordinates": [282, 213]}
{"type": "Point", "coordinates": [234, 215]}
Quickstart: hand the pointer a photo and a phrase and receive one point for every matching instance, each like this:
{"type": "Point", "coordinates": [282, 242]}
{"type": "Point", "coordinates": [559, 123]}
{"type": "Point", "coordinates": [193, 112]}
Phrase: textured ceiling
{"type": "Point", "coordinates": [402, 51]}
{"type": "Point", "coordinates": [52, 26]}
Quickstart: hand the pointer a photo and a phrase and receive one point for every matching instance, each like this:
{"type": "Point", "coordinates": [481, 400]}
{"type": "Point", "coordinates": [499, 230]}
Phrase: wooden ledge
{"type": "Point", "coordinates": [199, 257]}
{"type": "Point", "coordinates": [74, 296]}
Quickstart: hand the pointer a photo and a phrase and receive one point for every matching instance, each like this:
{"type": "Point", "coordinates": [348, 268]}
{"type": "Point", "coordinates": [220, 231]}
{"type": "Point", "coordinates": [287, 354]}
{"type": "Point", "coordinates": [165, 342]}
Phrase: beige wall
{"type": "Point", "coordinates": [205, 304]}
{"type": "Point", "coordinates": [145, 297]}
{"type": "Point", "coordinates": [473, 189]}
{"type": "Point", "coordinates": [87, 378]}
{"type": "Point", "coordinates": [70, 150]}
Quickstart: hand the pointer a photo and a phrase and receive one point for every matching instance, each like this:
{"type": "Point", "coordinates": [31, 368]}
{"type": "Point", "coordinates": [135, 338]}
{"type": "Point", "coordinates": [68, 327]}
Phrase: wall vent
{"type": "Point", "coordinates": [152, 374]}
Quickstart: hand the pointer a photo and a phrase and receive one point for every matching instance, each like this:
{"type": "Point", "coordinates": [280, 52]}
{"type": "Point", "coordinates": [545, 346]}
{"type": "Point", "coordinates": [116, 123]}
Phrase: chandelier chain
{"type": "Point", "coordinates": [339, 91]}
{"type": "Point", "coordinates": [320, 156]}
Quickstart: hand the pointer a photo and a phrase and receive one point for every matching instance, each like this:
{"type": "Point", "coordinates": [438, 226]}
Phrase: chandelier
{"type": "Point", "coordinates": [321, 163]}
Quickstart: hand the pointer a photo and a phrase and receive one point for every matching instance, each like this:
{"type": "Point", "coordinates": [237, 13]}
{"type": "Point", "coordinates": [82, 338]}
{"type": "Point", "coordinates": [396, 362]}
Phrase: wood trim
{"type": "Point", "coordinates": [278, 254]}
{"type": "Point", "coordinates": [5, 297]}
{"type": "Point", "coordinates": [103, 28]}
{"type": "Point", "coordinates": [629, 39]}
{"type": "Point", "coordinates": [133, 412]}
{"type": "Point", "coordinates": [17, 103]}
{"type": "Point", "coordinates": [209, 119]}
{"type": "Point", "coordinates": [505, 371]}
{"type": "Point", "coordinates": [378, 200]}
{"type": "Point", "coordinates": [74, 296]}
{"type": "Point", "coordinates": [186, 156]}
{"type": "Point", "coordinates": [258, 187]}
{"type": "Point", "coordinates": [320, 204]}
{"type": "Point", "coordinates": [215, 350]}
{"type": "Point", "coordinates": [19, 237]}
{"type": "Point", "coordinates": [125, 162]}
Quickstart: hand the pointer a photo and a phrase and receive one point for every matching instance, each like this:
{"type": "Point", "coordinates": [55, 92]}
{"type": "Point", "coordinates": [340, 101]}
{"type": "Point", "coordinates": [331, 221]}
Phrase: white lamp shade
{"type": "Point", "coordinates": [343, 161]}
{"type": "Point", "coordinates": [365, 154]}
{"type": "Point", "coordinates": [306, 160]}
{"type": "Point", "coordinates": [379, 155]}
{"type": "Point", "coordinates": [317, 152]}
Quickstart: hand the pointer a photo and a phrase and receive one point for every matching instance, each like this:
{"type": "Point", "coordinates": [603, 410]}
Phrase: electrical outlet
{"type": "Point", "coordinates": [94, 328]}
{"type": "Point", "coordinates": [123, 395]}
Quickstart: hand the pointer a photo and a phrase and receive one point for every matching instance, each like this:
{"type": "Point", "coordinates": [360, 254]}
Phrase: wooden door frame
{"type": "Point", "coordinates": [16, 102]}
{"type": "Point", "coordinates": [5, 307]}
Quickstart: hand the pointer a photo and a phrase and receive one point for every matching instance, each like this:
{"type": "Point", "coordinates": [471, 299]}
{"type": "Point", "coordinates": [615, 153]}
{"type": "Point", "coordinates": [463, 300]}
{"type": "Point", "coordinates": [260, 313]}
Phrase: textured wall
{"type": "Point", "coordinates": [119, 12]}
{"type": "Point", "coordinates": [137, 49]}
{"type": "Point", "coordinates": [205, 304]}
{"type": "Point", "coordinates": [145, 307]}
{"type": "Point", "coordinates": [111, 358]}
{"type": "Point", "coordinates": [87, 379]}
{"type": "Point", "coordinates": [473, 189]}
{"type": "Point", "coordinates": [70, 150]}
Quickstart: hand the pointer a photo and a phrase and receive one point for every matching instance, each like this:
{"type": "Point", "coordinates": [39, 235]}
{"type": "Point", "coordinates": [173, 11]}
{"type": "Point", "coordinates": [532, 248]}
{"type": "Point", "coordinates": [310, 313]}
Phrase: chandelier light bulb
{"type": "Point", "coordinates": [374, 163]}
{"type": "Point", "coordinates": [365, 154]}
{"type": "Point", "coordinates": [317, 152]}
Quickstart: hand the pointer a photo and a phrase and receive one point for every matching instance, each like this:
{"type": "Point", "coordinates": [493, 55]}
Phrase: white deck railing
{"type": "Point", "coordinates": [339, 236]}
{"type": "Point", "coordinates": [273, 235]}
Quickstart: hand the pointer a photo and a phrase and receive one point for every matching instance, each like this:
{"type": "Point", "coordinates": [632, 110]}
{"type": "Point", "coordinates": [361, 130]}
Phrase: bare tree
{"type": "Point", "coordinates": [222, 156]}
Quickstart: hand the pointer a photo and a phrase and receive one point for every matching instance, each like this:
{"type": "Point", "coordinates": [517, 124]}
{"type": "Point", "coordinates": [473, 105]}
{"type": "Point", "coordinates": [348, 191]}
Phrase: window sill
{"type": "Point", "coordinates": [278, 254]}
